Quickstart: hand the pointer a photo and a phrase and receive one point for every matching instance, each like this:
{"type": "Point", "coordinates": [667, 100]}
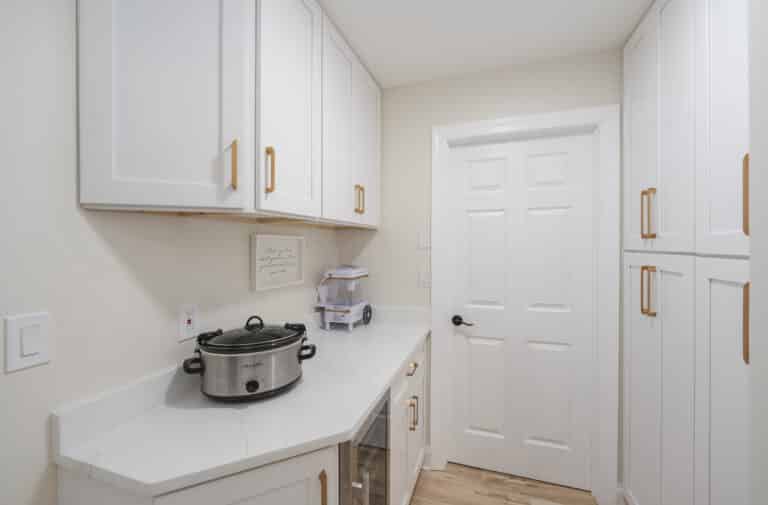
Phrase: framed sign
{"type": "Point", "coordinates": [276, 261]}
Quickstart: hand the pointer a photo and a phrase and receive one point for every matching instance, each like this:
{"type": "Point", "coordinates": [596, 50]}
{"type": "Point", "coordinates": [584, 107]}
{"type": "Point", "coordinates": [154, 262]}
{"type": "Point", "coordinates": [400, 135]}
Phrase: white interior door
{"type": "Point", "coordinates": [520, 241]}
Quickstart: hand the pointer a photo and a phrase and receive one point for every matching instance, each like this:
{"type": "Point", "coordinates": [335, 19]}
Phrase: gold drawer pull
{"type": "Point", "coordinates": [414, 366]}
{"type": "Point", "coordinates": [272, 171]}
{"type": "Point", "coordinates": [233, 147]}
{"type": "Point", "coordinates": [323, 487]}
{"type": "Point", "coordinates": [646, 292]}
{"type": "Point", "coordinates": [359, 199]}
{"type": "Point", "coordinates": [745, 324]}
{"type": "Point", "coordinates": [413, 405]}
{"type": "Point", "coordinates": [646, 197]}
{"type": "Point", "coordinates": [745, 193]}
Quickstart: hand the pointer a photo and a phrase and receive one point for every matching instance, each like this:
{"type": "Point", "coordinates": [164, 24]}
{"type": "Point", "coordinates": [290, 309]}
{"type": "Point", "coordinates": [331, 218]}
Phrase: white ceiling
{"type": "Point", "coordinates": [406, 41]}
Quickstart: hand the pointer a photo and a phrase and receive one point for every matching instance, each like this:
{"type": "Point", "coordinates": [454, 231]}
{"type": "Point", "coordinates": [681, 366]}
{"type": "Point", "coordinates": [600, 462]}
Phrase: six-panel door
{"type": "Point", "coordinates": [723, 401]}
{"type": "Point", "coordinates": [659, 373]}
{"type": "Point", "coordinates": [289, 160]}
{"type": "Point", "coordinates": [163, 108]}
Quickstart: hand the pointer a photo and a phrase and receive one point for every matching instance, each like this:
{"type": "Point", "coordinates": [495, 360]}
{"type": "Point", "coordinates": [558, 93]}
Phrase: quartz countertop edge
{"type": "Point", "coordinates": [134, 449]}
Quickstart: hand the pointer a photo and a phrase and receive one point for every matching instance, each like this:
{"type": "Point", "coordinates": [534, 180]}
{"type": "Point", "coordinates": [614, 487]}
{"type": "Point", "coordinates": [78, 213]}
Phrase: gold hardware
{"type": "Point", "coordinates": [646, 295]}
{"type": "Point", "coordinates": [646, 213]}
{"type": "Point", "coordinates": [233, 146]}
{"type": "Point", "coordinates": [745, 324]}
{"type": "Point", "coordinates": [418, 413]}
{"type": "Point", "coordinates": [745, 193]}
{"type": "Point", "coordinates": [414, 366]}
{"type": "Point", "coordinates": [323, 487]}
{"type": "Point", "coordinates": [271, 155]}
{"type": "Point", "coordinates": [413, 406]}
{"type": "Point", "coordinates": [359, 199]}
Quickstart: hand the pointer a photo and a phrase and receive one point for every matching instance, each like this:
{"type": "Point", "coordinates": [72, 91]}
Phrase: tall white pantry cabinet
{"type": "Point", "coordinates": [686, 261]}
{"type": "Point", "coordinates": [224, 106]}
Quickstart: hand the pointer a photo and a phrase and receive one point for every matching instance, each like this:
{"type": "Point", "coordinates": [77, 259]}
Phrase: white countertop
{"type": "Point", "coordinates": [180, 438]}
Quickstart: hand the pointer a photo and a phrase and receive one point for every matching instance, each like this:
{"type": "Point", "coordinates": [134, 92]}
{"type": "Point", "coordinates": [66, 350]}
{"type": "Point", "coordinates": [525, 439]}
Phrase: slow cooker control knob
{"type": "Point", "coordinates": [252, 386]}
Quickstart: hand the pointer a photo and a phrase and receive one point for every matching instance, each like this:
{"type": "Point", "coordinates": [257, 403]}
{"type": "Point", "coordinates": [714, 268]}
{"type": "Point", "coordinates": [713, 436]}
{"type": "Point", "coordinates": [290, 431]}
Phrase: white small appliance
{"type": "Point", "coordinates": [338, 299]}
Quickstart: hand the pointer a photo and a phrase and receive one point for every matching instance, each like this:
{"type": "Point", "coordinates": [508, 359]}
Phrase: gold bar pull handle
{"type": "Point", "coordinates": [272, 172]}
{"type": "Point", "coordinates": [412, 406]}
{"type": "Point", "coordinates": [233, 147]}
{"type": "Point", "coordinates": [418, 411]}
{"type": "Point", "coordinates": [745, 193]}
{"type": "Point", "coordinates": [650, 195]}
{"type": "Point", "coordinates": [745, 323]}
{"type": "Point", "coordinates": [362, 194]}
{"type": "Point", "coordinates": [643, 195]}
{"type": "Point", "coordinates": [359, 199]}
{"type": "Point", "coordinates": [646, 291]}
{"type": "Point", "coordinates": [323, 487]}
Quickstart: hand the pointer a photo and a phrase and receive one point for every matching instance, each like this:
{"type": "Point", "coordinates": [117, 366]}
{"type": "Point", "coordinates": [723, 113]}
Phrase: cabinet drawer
{"type": "Point", "coordinates": [296, 481]}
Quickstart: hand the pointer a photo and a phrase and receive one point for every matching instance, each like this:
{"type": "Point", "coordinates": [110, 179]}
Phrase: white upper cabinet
{"type": "Point", "coordinates": [289, 163]}
{"type": "Point", "coordinates": [163, 103]}
{"type": "Point", "coordinates": [723, 127]}
{"type": "Point", "coordinates": [660, 130]}
{"type": "Point", "coordinates": [351, 134]}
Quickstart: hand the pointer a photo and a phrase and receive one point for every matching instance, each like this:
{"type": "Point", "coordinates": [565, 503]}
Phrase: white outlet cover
{"type": "Point", "coordinates": [27, 341]}
{"type": "Point", "coordinates": [189, 322]}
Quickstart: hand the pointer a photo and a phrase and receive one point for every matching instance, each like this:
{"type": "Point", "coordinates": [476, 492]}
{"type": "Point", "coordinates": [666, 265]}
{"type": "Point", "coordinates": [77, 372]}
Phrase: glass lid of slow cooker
{"type": "Point", "coordinates": [255, 336]}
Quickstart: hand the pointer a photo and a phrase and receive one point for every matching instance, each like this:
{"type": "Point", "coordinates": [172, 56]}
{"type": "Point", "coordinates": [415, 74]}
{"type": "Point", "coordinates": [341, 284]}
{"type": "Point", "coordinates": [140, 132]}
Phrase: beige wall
{"type": "Point", "coordinates": [113, 283]}
{"type": "Point", "coordinates": [393, 254]}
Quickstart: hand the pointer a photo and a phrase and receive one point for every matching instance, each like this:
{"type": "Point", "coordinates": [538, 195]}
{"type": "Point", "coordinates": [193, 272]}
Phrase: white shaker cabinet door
{"type": "Point", "coordinates": [312, 479]}
{"type": "Point", "coordinates": [660, 130]}
{"type": "Point", "coordinates": [368, 144]}
{"type": "Point", "coordinates": [722, 382]}
{"type": "Point", "coordinates": [659, 370]}
{"type": "Point", "coordinates": [163, 102]}
{"type": "Point", "coordinates": [723, 128]}
{"type": "Point", "coordinates": [289, 161]}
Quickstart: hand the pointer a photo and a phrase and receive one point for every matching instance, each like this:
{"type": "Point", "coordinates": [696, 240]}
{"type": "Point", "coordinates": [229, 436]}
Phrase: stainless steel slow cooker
{"type": "Point", "coordinates": [250, 363]}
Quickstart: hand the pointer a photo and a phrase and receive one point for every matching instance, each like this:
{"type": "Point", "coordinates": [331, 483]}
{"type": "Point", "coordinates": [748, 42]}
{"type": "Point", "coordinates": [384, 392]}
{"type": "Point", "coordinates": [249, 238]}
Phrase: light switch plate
{"type": "Point", "coordinates": [189, 322]}
{"type": "Point", "coordinates": [27, 341]}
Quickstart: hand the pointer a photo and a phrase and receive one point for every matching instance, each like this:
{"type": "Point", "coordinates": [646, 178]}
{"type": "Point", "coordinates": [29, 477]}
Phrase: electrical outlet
{"type": "Point", "coordinates": [188, 323]}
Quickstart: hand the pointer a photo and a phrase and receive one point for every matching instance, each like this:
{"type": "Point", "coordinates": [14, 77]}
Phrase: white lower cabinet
{"type": "Point", "coordinates": [312, 479]}
{"type": "Point", "coordinates": [408, 430]}
{"type": "Point", "coordinates": [659, 367]}
{"type": "Point", "coordinates": [722, 382]}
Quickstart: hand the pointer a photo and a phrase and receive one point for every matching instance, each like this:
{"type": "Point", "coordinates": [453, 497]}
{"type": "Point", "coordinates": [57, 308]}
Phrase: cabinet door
{"type": "Point", "coordinates": [659, 378]}
{"type": "Point", "coordinates": [722, 382]}
{"type": "Point", "coordinates": [641, 96]}
{"type": "Point", "coordinates": [723, 126]}
{"type": "Point", "coordinates": [398, 436]}
{"type": "Point", "coordinates": [294, 481]}
{"type": "Point", "coordinates": [162, 101]}
{"type": "Point", "coordinates": [367, 144]}
{"type": "Point", "coordinates": [340, 192]}
{"type": "Point", "coordinates": [290, 91]}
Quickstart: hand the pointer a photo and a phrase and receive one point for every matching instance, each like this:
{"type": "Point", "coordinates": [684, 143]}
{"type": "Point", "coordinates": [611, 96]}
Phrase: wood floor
{"type": "Point", "coordinates": [460, 485]}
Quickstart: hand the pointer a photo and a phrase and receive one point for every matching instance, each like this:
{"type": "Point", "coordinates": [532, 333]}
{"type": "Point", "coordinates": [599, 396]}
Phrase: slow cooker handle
{"type": "Point", "coordinates": [307, 352]}
{"type": "Point", "coordinates": [194, 366]}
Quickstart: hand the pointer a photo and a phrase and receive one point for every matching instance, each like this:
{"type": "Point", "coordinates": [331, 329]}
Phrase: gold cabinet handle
{"type": "Point", "coordinates": [745, 193]}
{"type": "Point", "coordinates": [745, 323]}
{"type": "Point", "coordinates": [412, 405]}
{"type": "Point", "coordinates": [646, 198]}
{"type": "Point", "coordinates": [272, 172]}
{"type": "Point", "coordinates": [646, 291]}
{"type": "Point", "coordinates": [413, 367]}
{"type": "Point", "coordinates": [418, 411]}
{"type": "Point", "coordinates": [359, 199]}
{"type": "Point", "coordinates": [233, 147]}
{"type": "Point", "coordinates": [323, 487]}
{"type": "Point", "coordinates": [362, 195]}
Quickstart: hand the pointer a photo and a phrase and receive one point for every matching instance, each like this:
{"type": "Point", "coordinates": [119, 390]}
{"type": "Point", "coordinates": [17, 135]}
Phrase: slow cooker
{"type": "Point", "coordinates": [250, 363]}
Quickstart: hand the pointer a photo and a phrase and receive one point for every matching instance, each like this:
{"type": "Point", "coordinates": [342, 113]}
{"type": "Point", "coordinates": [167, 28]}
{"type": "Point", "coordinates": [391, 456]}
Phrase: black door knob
{"type": "Point", "coordinates": [459, 321]}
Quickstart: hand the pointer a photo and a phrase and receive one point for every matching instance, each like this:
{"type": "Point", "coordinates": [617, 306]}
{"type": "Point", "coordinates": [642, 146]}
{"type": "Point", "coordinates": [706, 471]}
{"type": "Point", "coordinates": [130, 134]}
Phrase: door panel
{"type": "Point", "coordinates": [162, 98]}
{"type": "Point", "coordinates": [659, 379]}
{"type": "Point", "coordinates": [291, 122]}
{"type": "Point", "coordinates": [523, 370]}
{"type": "Point", "coordinates": [723, 386]}
{"type": "Point", "coordinates": [723, 101]}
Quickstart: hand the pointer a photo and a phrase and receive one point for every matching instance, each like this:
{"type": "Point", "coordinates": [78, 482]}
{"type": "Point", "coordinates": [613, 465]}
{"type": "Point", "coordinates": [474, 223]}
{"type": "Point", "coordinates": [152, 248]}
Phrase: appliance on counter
{"type": "Point", "coordinates": [364, 461]}
{"type": "Point", "coordinates": [337, 298]}
{"type": "Point", "coordinates": [250, 363]}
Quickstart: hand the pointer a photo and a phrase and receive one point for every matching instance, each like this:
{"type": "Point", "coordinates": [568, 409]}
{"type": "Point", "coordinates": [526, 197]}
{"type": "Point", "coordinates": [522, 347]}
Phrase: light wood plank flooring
{"type": "Point", "coordinates": [460, 485]}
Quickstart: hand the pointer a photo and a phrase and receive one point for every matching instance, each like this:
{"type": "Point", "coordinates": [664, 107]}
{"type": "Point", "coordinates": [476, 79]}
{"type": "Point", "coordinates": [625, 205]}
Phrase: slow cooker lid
{"type": "Point", "coordinates": [254, 337]}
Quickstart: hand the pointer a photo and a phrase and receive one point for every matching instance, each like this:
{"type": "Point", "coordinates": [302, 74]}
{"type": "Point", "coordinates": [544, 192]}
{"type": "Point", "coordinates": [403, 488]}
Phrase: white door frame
{"type": "Point", "coordinates": [604, 123]}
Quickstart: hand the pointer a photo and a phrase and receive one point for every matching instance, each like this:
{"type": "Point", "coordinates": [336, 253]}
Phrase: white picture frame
{"type": "Point", "coordinates": [277, 261]}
